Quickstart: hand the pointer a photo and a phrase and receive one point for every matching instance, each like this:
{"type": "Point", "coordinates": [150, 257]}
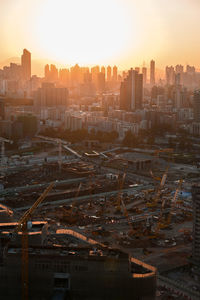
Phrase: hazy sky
{"type": "Point", "coordinates": [122, 32]}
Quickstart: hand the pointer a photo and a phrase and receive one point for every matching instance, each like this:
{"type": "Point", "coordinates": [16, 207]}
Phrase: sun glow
{"type": "Point", "coordinates": [84, 31]}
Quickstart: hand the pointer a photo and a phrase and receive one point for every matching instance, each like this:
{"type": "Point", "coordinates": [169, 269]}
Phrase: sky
{"type": "Point", "coordinates": [127, 33]}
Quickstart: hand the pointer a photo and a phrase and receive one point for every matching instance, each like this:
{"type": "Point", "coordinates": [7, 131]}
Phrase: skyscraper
{"type": "Point", "coordinates": [144, 72]}
{"type": "Point", "coordinates": [131, 91]}
{"type": "Point", "coordinates": [115, 73]}
{"type": "Point", "coordinates": [179, 69]}
{"type": "Point", "coordinates": [46, 72]}
{"type": "Point", "coordinates": [137, 69]}
{"type": "Point", "coordinates": [26, 64]}
{"type": "Point", "coordinates": [152, 72]}
{"type": "Point", "coordinates": [196, 106]}
{"type": "Point", "coordinates": [109, 73]}
{"type": "Point", "coordinates": [170, 75]}
{"type": "Point", "coordinates": [101, 82]}
{"type": "Point", "coordinates": [103, 70]}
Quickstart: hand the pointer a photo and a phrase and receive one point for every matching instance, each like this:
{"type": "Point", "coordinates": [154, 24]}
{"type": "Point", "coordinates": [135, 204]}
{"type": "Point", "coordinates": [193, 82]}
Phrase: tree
{"type": "Point", "coordinates": [130, 140]}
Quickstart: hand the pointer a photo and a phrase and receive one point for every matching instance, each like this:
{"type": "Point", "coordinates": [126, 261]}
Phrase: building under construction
{"type": "Point", "coordinates": [64, 264]}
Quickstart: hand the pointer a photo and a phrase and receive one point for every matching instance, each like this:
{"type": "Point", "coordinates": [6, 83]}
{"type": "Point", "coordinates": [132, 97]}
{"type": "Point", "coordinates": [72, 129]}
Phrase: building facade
{"type": "Point", "coordinates": [131, 91]}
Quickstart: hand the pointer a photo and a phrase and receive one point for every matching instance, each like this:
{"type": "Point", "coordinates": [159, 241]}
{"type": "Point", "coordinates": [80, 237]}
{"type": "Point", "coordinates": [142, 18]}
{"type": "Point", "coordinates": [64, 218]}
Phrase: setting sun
{"type": "Point", "coordinates": [83, 31]}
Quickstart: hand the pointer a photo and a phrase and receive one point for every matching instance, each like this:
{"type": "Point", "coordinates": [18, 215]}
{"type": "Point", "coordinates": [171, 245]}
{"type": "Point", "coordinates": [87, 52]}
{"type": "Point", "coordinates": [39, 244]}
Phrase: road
{"type": "Point", "coordinates": [129, 191]}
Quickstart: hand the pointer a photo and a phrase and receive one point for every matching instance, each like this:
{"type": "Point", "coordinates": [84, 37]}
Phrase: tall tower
{"type": "Point", "coordinates": [115, 73]}
{"type": "Point", "coordinates": [144, 72]}
{"type": "Point", "coordinates": [196, 231]}
{"type": "Point", "coordinates": [103, 70]}
{"type": "Point", "coordinates": [46, 72]}
{"type": "Point", "coordinates": [131, 91]}
{"type": "Point", "coordinates": [196, 106]}
{"type": "Point", "coordinates": [152, 72]}
{"type": "Point", "coordinates": [26, 64]}
{"type": "Point", "coordinates": [109, 73]}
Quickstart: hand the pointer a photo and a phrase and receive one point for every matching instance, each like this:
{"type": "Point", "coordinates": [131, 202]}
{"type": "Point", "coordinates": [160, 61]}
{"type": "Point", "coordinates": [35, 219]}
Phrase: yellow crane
{"type": "Point", "coordinates": [132, 231]}
{"type": "Point", "coordinates": [156, 154]}
{"type": "Point", "coordinates": [166, 223]}
{"type": "Point", "coordinates": [163, 180]}
{"type": "Point", "coordinates": [22, 227]}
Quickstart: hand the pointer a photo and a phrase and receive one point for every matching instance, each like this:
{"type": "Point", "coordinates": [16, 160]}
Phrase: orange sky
{"type": "Point", "coordinates": [123, 32]}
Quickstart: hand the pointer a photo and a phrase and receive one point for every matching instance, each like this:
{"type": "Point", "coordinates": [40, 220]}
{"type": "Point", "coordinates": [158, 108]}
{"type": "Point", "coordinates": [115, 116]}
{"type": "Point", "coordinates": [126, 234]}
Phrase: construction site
{"type": "Point", "coordinates": [127, 213]}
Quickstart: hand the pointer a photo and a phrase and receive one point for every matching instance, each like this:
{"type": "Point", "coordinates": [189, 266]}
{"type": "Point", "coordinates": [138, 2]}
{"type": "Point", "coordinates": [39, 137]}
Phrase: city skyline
{"type": "Point", "coordinates": [134, 32]}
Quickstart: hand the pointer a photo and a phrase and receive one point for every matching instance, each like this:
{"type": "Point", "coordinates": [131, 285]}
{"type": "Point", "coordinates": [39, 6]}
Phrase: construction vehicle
{"type": "Point", "coordinates": [23, 228]}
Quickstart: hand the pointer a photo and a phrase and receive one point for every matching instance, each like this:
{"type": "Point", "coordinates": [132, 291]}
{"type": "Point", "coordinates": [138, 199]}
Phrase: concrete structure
{"type": "Point", "coordinates": [84, 270]}
{"type": "Point", "coordinates": [26, 64]}
{"type": "Point", "coordinates": [144, 72]}
{"type": "Point", "coordinates": [196, 106]}
{"type": "Point", "coordinates": [131, 92]}
{"type": "Point", "coordinates": [109, 73]}
{"type": "Point", "coordinates": [48, 95]}
{"type": "Point", "coordinates": [115, 73]}
{"type": "Point", "coordinates": [152, 72]}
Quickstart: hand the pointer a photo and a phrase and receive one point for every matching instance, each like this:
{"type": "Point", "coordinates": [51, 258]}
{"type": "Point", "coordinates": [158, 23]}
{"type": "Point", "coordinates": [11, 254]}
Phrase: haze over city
{"type": "Point", "coordinates": [122, 32]}
{"type": "Point", "coordinates": [99, 149]}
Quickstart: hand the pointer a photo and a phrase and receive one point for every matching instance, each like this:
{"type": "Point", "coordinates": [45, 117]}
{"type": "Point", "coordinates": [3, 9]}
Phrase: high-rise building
{"type": "Point", "coordinates": [144, 72]}
{"type": "Point", "coordinates": [109, 73]}
{"type": "Point", "coordinates": [190, 69]}
{"type": "Point", "coordinates": [54, 73]}
{"type": "Point", "coordinates": [48, 96]}
{"type": "Point", "coordinates": [137, 69]}
{"type": "Point", "coordinates": [115, 73]}
{"type": "Point", "coordinates": [196, 105]}
{"type": "Point", "coordinates": [196, 231]}
{"type": "Point", "coordinates": [64, 76]}
{"type": "Point", "coordinates": [131, 91]}
{"type": "Point", "coordinates": [50, 73]}
{"type": "Point", "coordinates": [46, 72]}
{"type": "Point", "coordinates": [179, 69]}
{"type": "Point", "coordinates": [170, 75]}
{"type": "Point", "coordinates": [103, 70]}
{"type": "Point", "coordinates": [152, 72]}
{"type": "Point", "coordinates": [2, 109]}
{"type": "Point", "coordinates": [26, 64]}
{"type": "Point", "coordinates": [101, 82]}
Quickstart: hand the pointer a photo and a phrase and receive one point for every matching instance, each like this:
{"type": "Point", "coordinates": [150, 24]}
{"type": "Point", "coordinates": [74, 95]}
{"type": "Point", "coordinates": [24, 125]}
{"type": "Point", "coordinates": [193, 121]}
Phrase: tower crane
{"type": "Point", "coordinates": [156, 154]}
{"type": "Point", "coordinates": [23, 228]}
{"type": "Point", "coordinates": [132, 231]}
{"type": "Point", "coordinates": [166, 223]}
